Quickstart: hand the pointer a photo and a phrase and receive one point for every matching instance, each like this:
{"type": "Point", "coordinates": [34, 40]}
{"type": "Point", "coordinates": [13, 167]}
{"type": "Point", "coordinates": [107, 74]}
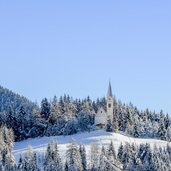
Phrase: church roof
{"type": "Point", "coordinates": [109, 93]}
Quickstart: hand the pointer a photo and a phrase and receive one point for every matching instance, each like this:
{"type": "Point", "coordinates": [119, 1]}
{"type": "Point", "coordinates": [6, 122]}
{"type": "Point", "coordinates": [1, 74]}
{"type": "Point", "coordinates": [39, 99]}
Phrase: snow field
{"type": "Point", "coordinates": [99, 137]}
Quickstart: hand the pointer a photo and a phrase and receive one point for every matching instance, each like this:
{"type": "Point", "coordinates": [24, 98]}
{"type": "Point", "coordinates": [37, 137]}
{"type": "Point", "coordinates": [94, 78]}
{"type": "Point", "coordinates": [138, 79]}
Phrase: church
{"type": "Point", "coordinates": [104, 114]}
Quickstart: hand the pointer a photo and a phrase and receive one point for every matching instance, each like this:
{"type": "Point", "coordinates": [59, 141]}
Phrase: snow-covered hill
{"type": "Point", "coordinates": [99, 137]}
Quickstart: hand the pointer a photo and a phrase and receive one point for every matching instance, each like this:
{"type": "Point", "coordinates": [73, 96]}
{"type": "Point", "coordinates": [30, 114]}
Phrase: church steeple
{"type": "Point", "coordinates": [110, 102]}
{"type": "Point", "coordinates": [109, 92]}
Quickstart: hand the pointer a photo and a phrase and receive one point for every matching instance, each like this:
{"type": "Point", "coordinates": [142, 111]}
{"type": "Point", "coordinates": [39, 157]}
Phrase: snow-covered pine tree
{"type": "Point", "coordinates": [109, 126]}
{"type": "Point", "coordinates": [74, 157]}
{"type": "Point", "coordinates": [10, 117]}
{"type": "Point", "coordinates": [6, 146]}
{"type": "Point", "coordinates": [167, 121]}
{"type": "Point", "coordinates": [115, 121]}
{"type": "Point", "coordinates": [29, 161]}
{"type": "Point", "coordinates": [145, 154]}
{"type": "Point", "coordinates": [52, 158]}
{"type": "Point", "coordinates": [127, 155]}
{"type": "Point", "coordinates": [135, 130]}
{"type": "Point", "coordinates": [106, 163]}
{"type": "Point", "coordinates": [85, 119]}
{"type": "Point", "coordinates": [66, 166]}
{"type": "Point", "coordinates": [45, 109]}
{"type": "Point", "coordinates": [38, 124]}
{"type": "Point", "coordinates": [57, 158]}
{"type": "Point", "coordinates": [83, 157]}
{"type": "Point", "coordinates": [111, 153]}
{"type": "Point", "coordinates": [156, 160]}
{"type": "Point", "coordinates": [103, 164]}
{"type": "Point", "coordinates": [162, 130]}
{"type": "Point", "coordinates": [168, 134]}
{"type": "Point", "coordinates": [71, 127]}
{"type": "Point", "coordinates": [135, 165]}
{"type": "Point", "coordinates": [94, 157]}
{"type": "Point", "coordinates": [22, 123]}
{"type": "Point", "coordinates": [120, 152]}
{"type": "Point", "coordinates": [20, 163]}
{"type": "Point", "coordinates": [54, 111]}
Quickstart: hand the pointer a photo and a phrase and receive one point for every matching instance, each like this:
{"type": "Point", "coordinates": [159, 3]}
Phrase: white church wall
{"type": "Point", "coordinates": [101, 117]}
{"type": "Point", "coordinates": [100, 120]}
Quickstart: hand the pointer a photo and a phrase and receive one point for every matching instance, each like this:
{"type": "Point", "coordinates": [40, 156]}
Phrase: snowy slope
{"type": "Point", "coordinates": [99, 137]}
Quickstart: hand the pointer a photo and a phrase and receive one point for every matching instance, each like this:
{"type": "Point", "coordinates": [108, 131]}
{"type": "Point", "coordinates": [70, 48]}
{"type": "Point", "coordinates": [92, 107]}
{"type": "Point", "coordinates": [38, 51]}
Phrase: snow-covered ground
{"type": "Point", "coordinates": [99, 137]}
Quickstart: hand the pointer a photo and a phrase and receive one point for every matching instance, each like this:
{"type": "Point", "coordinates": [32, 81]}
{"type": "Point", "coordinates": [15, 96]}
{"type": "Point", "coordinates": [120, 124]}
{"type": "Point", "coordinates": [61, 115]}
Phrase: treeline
{"type": "Point", "coordinates": [144, 157]}
{"type": "Point", "coordinates": [57, 117]}
{"type": "Point", "coordinates": [145, 124]}
{"type": "Point", "coordinates": [66, 116]}
{"type": "Point", "coordinates": [128, 157]}
{"type": "Point", "coordinates": [9, 98]}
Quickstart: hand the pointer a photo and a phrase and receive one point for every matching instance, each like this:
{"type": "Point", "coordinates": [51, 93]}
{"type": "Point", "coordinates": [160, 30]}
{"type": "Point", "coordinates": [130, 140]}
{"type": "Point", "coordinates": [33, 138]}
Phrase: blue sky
{"type": "Point", "coordinates": [75, 47]}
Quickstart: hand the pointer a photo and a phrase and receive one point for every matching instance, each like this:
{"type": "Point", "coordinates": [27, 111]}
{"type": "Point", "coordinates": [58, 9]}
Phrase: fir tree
{"type": "Point", "coordinates": [30, 161]}
{"type": "Point", "coordinates": [94, 156]}
{"type": "Point", "coordinates": [45, 109]}
{"type": "Point", "coordinates": [52, 158]}
{"type": "Point", "coordinates": [22, 124]}
{"type": "Point", "coordinates": [10, 118]}
{"type": "Point", "coordinates": [120, 151]}
{"type": "Point", "coordinates": [167, 121]}
{"type": "Point", "coordinates": [6, 147]}
{"type": "Point", "coordinates": [66, 166]}
{"type": "Point", "coordinates": [162, 130]}
{"type": "Point", "coordinates": [73, 157]}
{"type": "Point", "coordinates": [109, 126]}
{"type": "Point", "coordinates": [115, 122]}
{"type": "Point", "coordinates": [83, 157]}
{"type": "Point", "coordinates": [135, 129]}
{"type": "Point", "coordinates": [111, 152]}
{"type": "Point", "coordinates": [103, 165]}
{"type": "Point", "coordinates": [20, 163]}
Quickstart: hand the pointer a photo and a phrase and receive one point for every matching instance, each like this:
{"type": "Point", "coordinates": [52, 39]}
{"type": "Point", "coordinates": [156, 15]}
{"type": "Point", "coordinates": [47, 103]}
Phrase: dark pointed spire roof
{"type": "Point", "coordinates": [109, 93]}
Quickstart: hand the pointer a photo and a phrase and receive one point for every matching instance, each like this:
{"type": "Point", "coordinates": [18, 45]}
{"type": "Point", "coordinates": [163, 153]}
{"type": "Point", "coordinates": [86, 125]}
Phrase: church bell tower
{"type": "Point", "coordinates": [110, 103]}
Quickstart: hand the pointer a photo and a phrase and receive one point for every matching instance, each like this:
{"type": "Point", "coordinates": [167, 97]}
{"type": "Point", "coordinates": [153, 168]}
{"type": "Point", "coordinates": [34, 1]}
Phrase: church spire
{"type": "Point", "coordinates": [109, 93]}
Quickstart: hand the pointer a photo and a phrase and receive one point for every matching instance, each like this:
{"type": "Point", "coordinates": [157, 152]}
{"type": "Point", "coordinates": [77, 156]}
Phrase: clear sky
{"type": "Point", "coordinates": [75, 47]}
